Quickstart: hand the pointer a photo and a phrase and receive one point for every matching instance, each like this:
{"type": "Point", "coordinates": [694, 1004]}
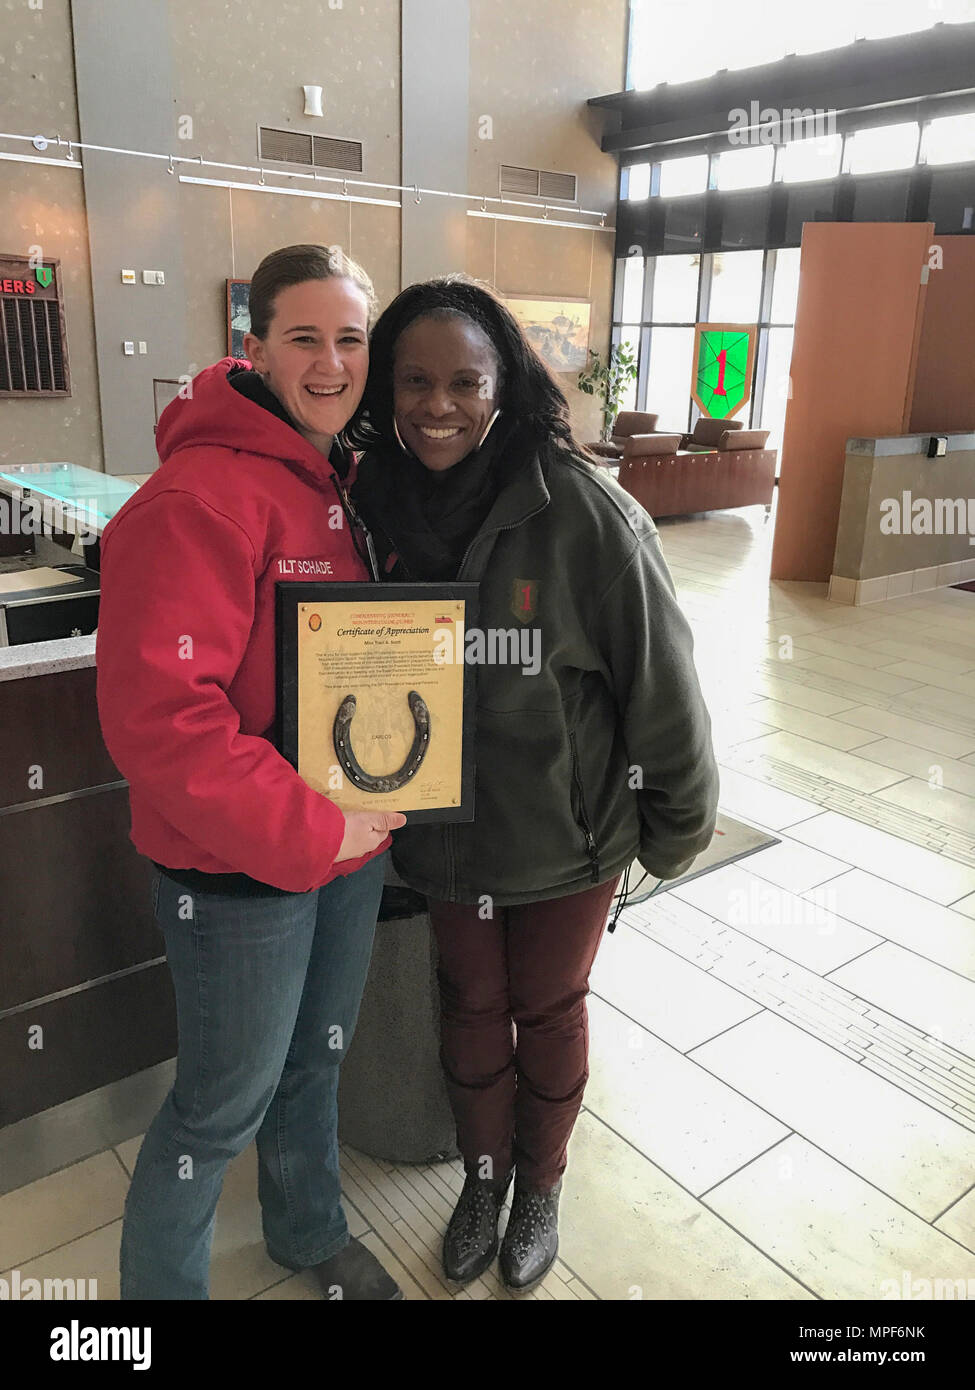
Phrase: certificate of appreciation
{"type": "Point", "coordinates": [375, 699]}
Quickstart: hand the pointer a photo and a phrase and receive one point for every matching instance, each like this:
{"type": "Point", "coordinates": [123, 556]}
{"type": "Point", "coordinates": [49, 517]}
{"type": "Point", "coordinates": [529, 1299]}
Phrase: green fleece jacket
{"type": "Point", "coordinates": [593, 744]}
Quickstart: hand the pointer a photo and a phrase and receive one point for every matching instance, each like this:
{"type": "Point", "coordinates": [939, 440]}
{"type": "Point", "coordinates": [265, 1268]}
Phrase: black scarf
{"type": "Point", "coordinates": [430, 518]}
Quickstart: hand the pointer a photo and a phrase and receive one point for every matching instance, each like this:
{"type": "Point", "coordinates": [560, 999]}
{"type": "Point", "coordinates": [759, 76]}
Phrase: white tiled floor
{"type": "Point", "coordinates": [782, 1092]}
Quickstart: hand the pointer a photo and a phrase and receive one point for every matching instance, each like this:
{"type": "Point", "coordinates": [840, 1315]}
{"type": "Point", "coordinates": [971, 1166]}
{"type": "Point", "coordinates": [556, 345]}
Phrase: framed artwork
{"type": "Point", "coordinates": [722, 365]}
{"type": "Point", "coordinates": [558, 329]}
{"type": "Point", "coordinates": [238, 316]}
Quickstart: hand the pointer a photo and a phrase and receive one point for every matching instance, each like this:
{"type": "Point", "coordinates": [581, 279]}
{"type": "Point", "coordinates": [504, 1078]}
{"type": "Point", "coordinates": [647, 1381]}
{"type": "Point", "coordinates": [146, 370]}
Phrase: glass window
{"type": "Point", "coordinates": [884, 147]}
{"type": "Point", "coordinates": [675, 289]}
{"type": "Point", "coordinates": [629, 336]}
{"type": "Point", "coordinates": [804, 161]}
{"type": "Point", "coordinates": [812, 203]}
{"type": "Point", "coordinates": [778, 386]}
{"type": "Point", "coordinates": [680, 176]}
{"type": "Point", "coordinates": [881, 199]}
{"type": "Point", "coordinates": [951, 206]}
{"type": "Point", "coordinates": [639, 182]}
{"type": "Point", "coordinates": [950, 140]}
{"type": "Point", "coordinates": [683, 224]}
{"type": "Point", "coordinates": [736, 286]}
{"type": "Point", "coordinates": [785, 285]}
{"type": "Point", "coordinates": [633, 288]}
{"type": "Point", "coordinates": [744, 220]}
{"type": "Point", "coordinates": [669, 377]}
{"type": "Point", "coordinates": [746, 168]}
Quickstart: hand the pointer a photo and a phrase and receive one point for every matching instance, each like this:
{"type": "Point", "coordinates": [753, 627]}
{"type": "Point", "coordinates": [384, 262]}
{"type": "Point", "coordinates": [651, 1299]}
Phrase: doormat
{"type": "Point", "coordinates": [969, 587]}
{"type": "Point", "coordinates": [732, 840]}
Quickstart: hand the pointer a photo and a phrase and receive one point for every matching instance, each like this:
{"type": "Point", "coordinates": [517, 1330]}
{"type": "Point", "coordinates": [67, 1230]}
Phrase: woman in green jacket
{"type": "Point", "coordinates": [593, 743]}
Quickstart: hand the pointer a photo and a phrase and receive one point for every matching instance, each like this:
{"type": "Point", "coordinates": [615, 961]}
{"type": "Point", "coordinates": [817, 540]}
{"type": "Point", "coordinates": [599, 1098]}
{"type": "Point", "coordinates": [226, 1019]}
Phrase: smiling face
{"type": "Point", "coordinates": [445, 389]}
{"type": "Point", "coordinates": [316, 355]}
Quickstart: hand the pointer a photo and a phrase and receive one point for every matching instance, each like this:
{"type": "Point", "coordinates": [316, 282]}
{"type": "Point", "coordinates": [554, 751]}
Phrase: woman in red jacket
{"type": "Point", "coordinates": [266, 894]}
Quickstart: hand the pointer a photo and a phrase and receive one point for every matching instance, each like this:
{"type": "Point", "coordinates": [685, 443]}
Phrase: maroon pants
{"type": "Point", "coordinates": [514, 1027]}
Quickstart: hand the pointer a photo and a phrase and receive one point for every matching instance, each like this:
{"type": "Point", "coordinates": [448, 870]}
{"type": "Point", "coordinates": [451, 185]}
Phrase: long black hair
{"type": "Point", "coordinates": [527, 393]}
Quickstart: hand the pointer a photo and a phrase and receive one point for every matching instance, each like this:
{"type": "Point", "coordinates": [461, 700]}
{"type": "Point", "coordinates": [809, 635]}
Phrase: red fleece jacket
{"type": "Point", "coordinates": [186, 645]}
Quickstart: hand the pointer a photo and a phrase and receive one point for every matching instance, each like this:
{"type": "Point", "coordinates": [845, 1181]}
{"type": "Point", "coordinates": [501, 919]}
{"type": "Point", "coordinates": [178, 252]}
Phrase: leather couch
{"type": "Point", "coordinates": [628, 424]}
{"type": "Point", "coordinates": [738, 472]}
{"type": "Point", "coordinates": [707, 432]}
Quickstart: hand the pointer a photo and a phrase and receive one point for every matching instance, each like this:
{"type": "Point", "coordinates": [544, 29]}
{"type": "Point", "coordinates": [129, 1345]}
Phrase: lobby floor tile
{"type": "Point", "coordinates": [935, 875]}
{"type": "Point", "coordinates": [93, 1256]}
{"type": "Point", "coordinates": [674, 1000]}
{"type": "Point", "coordinates": [643, 1237]}
{"type": "Point", "coordinates": [934, 932]}
{"type": "Point", "coordinates": [894, 1141]}
{"type": "Point", "coordinates": [934, 999]}
{"type": "Point", "coordinates": [817, 938]}
{"type": "Point", "coordinates": [836, 1233]}
{"type": "Point", "coordinates": [54, 1210]}
{"type": "Point", "coordinates": [696, 1129]}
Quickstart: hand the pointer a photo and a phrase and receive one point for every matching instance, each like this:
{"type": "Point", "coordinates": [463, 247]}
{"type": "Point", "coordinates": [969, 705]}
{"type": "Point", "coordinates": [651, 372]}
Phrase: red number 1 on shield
{"type": "Point", "coordinates": [722, 359]}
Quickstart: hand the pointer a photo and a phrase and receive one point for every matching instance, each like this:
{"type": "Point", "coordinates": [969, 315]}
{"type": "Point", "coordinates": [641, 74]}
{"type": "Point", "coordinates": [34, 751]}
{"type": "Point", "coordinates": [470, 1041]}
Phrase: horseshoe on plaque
{"type": "Point", "coordinates": [342, 737]}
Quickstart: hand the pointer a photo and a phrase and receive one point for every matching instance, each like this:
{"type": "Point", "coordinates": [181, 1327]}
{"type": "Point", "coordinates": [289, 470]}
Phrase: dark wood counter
{"type": "Point", "coordinates": [85, 994]}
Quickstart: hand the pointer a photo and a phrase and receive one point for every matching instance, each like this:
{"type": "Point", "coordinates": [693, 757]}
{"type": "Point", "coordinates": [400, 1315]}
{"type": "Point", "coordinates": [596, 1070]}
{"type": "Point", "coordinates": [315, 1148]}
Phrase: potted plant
{"type": "Point", "coordinates": [608, 381]}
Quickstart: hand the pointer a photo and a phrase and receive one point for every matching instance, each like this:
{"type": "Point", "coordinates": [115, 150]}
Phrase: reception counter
{"type": "Point", "coordinates": [85, 995]}
{"type": "Point", "coordinates": [907, 520]}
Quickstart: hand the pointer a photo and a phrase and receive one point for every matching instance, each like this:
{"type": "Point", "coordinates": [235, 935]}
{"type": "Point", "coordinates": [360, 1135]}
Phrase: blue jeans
{"type": "Point", "coordinates": [267, 996]}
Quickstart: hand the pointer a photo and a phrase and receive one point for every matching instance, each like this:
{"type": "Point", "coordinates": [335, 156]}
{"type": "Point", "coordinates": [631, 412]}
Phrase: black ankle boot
{"type": "Point", "coordinates": [471, 1241]}
{"type": "Point", "coordinates": [531, 1241]}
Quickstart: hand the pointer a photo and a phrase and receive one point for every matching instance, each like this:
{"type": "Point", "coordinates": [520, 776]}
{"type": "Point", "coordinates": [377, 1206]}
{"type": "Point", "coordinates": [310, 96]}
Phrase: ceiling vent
{"type": "Point", "coordinates": [314, 151]}
{"type": "Point", "coordinates": [538, 183]}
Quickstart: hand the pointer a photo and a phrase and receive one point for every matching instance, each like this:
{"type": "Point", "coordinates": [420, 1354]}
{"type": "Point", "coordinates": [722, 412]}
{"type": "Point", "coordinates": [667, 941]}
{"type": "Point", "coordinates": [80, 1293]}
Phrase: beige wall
{"type": "Point", "coordinates": [353, 53]}
{"type": "Point", "coordinates": [46, 207]}
{"type": "Point", "coordinates": [532, 67]}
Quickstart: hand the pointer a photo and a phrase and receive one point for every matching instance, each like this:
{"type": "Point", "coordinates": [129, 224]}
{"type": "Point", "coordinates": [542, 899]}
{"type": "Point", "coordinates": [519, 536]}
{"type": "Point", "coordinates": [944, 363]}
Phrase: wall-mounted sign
{"type": "Point", "coordinates": [724, 355]}
{"type": "Point", "coordinates": [33, 344]}
{"type": "Point", "coordinates": [22, 278]}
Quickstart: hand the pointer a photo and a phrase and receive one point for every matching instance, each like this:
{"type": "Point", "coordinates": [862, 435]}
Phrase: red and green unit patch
{"type": "Point", "coordinates": [724, 356]}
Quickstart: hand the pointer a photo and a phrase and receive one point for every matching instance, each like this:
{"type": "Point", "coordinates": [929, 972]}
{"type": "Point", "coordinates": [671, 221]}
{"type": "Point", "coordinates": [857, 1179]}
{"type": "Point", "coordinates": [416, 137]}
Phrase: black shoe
{"type": "Point", "coordinates": [355, 1274]}
{"type": "Point", "coordinates": [531, 1241]}
{"type": "Point", "coordinates": [471, 1241]}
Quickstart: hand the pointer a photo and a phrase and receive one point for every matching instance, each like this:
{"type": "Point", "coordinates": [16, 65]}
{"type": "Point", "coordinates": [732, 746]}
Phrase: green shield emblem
{"type": "Point", "coordinates": [44, 274]}
{"type": "Point", "coordinates": [524, 599]}
{"type": "Point", "coordinates": [723, 355]}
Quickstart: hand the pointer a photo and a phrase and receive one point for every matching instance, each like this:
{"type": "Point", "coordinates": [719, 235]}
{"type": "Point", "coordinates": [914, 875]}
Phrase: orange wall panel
{"type": "Point", "coordinates": [858, 326]}
{"type": "Point", "coordinates": [944, 388]}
